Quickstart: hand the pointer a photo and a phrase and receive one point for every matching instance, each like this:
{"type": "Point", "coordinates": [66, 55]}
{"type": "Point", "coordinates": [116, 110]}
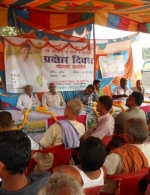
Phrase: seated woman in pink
{"type": "Point", "coordinates": [91, 171]}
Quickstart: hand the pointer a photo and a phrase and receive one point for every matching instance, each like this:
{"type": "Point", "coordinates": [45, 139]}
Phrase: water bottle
{"type": "Point", "coordinates": [33, 108]}
{"type": "Point", "coordinates": [90, 101]}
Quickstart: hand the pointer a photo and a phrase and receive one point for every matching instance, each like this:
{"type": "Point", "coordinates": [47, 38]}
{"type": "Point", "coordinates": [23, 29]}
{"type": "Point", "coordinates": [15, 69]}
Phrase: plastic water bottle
{"type": "Point", "coordinates": [33, 108]}
{"type": "Point", "coordinates": [90, 101]}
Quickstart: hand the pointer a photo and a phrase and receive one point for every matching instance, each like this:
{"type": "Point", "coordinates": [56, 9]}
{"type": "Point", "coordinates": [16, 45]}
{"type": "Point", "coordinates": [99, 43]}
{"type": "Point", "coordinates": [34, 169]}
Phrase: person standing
{"type": "Point", "coordinates": [22, 70]}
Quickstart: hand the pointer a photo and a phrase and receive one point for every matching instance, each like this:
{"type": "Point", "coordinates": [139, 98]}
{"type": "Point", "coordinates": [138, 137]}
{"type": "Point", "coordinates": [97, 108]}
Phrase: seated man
{"type": "Point", "coordinates": [122, 91]}
{"type": "Point", "coordinates": [15, 151]}
{"type": "Point", "coordinates": [91, 171]}
{"type": "Point", "coordinates": [6, 122]}
{"type": "Point", "coordinates": [131, 157]}
{"type": "Point", "coordinates": [61, 184]}
{"type": "Point", "coordinates": [89, 92]}
{"type": "Point", "coordinates": [52, 98]}
{"type": "Point", "coordinates": [133, 102]}
{"type": "Point", "coordinates": [28, 99]}
{"type": "Point", "coordinates": [139, 87]}
{"type": "Point", "coordinates": [96, 84]}
{"type": "Point", "coordinates": [105, 126]}
{"type": "Point", "coordinates": [56, 133]}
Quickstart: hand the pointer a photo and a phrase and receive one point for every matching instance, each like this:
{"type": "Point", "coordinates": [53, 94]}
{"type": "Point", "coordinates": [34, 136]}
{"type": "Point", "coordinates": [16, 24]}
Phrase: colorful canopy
{"type": "Point", "coordinates": [119, 14]}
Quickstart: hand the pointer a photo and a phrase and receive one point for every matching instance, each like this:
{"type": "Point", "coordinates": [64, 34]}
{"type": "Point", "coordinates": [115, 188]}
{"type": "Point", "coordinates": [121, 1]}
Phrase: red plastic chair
{"type": "Point", "coordinates": [129, 181]}
{"type": "Point", "coordinates": [106, 140]}
{"type": "Point", "coordinates": [61, 157]}
{"type": "Point", "coordinates": [93, 190]}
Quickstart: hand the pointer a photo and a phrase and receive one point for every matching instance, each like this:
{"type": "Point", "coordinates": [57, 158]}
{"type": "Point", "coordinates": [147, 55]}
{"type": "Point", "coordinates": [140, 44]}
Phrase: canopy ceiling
{"type": "Point", "coordinates": [132, 15]}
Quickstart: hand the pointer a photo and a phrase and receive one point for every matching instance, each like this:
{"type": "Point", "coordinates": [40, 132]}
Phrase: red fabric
{"type": "Point", "coordinates": [80, 118]}
{"type": "Point", "coordinates": [40, 18]}
{"type": "Point", "coordinates": [124, 24]}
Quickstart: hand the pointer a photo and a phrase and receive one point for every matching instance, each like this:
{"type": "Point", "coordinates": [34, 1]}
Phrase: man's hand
{"type": "Point", "coordinates": [85, 102]}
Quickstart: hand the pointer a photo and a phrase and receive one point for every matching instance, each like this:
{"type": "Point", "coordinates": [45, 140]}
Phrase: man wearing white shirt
{"type": "Point", "coordinates": [28, 99]}
{"type": "Point", "coordinates": [52, 98]}
{"type": "Point", "coordinates": [122, 91]}
{"type": "Point", "coordinates": [22, 70]}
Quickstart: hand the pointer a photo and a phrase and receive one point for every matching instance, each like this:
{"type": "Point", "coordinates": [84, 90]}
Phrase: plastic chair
{"type": "Point", "coordinates": [61, 157]}
{"type": "Point", "coordinates": [106, 140]}
{"type": "Point", "coordinates": [129, 181]}
{"type": "Point", "coordinates": [93, 190]}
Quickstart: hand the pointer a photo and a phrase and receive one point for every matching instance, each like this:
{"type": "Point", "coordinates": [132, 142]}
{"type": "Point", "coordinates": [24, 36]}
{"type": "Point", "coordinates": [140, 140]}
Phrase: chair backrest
{"type": "Point", "coordinates": [129, 181]}
{"type": "Point", "coordinates": [61, 155]}
{"type": "Point", "coordinates": [92, 190]}
{"type": "Point", "coordinates": [106, 140]}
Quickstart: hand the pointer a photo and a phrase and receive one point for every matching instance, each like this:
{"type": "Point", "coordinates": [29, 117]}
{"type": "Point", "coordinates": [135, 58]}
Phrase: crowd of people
{"type": "Point", "coordinates": [94, 161]}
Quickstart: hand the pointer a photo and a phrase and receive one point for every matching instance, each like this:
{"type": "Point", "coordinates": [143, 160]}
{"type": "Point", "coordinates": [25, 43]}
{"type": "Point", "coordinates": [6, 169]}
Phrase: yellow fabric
{"type": "Point", "coordinates": [134, 160]}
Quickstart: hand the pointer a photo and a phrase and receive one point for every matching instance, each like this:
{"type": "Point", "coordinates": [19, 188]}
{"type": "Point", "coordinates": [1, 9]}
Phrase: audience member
{"type": "Point", "coordinates": [139, 87]}
{"type": "Point", "coordinates": [15, 151]}
{"type": "Point", "coordinates": [52, 98]}
{"type": "Point", "coordinates": [122, 91]}
{"type": "Point", "coordinates": [96, 84]}
{"type": "Point", "coordinates": [105, 125]}
{"type": "Point", "coordinates": [6, 122]}
{"type": "Point", "coordinates": [27, 100]}
{"type": "Point", "coordinates": [89, 92]}
{"type": "Point", "coordinates": [66, 131]}
{"type": "Point", "coordinates": [61, 184]}
{"type": "Point", "coordinates": [131, 157]}
{"type": "Point", "coordinates": [91, 171]}
{"type": "Point", "coordinates": [133, 102]}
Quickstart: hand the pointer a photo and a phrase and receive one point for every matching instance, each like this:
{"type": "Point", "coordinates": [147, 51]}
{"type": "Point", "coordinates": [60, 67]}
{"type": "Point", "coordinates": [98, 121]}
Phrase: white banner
{"type": "Point", "coordinates": [112, 65]}
{"type": "Point", "coordinates": [68, 68]}
{"type": "Point", "coordinates": [137, 55]}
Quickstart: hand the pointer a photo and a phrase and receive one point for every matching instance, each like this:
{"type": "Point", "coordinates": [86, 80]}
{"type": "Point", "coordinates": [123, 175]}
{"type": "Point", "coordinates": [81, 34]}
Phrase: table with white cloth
{"type": "Point", "coordinates": [38, 122]}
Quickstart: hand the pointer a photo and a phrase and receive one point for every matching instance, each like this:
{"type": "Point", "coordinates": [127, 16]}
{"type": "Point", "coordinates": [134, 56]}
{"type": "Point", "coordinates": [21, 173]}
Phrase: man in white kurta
{"type": "Point", "coordinates": [52, 98]}
{"type": "Point", "coordinates": [121, 92]}
{"type": "Point", "coordinates": [22, 71]}
{"type": "Point", "coordinates": [27, 100]}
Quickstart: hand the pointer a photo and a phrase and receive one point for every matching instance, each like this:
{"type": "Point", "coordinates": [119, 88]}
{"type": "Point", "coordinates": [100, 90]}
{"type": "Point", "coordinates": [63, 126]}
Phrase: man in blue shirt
{"type": "Point", "coordinates": [89, 92]}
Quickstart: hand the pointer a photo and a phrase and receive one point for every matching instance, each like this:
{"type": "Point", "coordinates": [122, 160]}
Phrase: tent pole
{"type": "Point", "coordinates": [94, 47]}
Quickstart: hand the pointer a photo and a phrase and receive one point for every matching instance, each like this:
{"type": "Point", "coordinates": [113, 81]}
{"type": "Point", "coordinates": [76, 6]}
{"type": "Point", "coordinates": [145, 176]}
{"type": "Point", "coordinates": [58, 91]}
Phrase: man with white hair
{"type": "Point", "coordinates": [52, 98]}
{"type": "Point", "coordinates": [54, 135]}
{"type": "Point", "coordinates": [61, 184]}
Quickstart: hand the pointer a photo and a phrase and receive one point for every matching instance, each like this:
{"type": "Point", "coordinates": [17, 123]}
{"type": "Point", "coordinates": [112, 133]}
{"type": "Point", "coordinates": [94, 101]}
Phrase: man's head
{"type": "Point", "coordinates": [136, 131]}
{"type": "Point", "coordinates": [104, 103]}
{"type": "Point", "coordinates": [15, 151]}
{"type": "Point", "coordinates": [89, 89]}
{"type": "Point", "coordinates": [96, 83]}
{"type": "Point", "coordinates": [73, 108]}
{"type": "Point", "coordinates": [52, 88]}
{"type": "Point", "coordinates": [6, 122]}
{"type": "Point", "coordinates": [138, 83]}
{"type": "Point", "coordinates": [25, 50]}
{"type": "Point", "coordinates": [134, 99]}
{"type": "Point", "coordinates": [123, 83]}
{"type": "Point", "coordinates": [61, 184]}
{"type": "Point", "coordinates": [28, 89]}
{"type": "Point", "coordinates": [92, 154]}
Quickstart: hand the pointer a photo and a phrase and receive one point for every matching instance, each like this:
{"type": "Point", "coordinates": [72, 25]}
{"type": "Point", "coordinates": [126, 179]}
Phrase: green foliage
{"type": "Point", "coordinates": [146, 53]}
{"type": "Point", "coordinates": [10, 31]}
